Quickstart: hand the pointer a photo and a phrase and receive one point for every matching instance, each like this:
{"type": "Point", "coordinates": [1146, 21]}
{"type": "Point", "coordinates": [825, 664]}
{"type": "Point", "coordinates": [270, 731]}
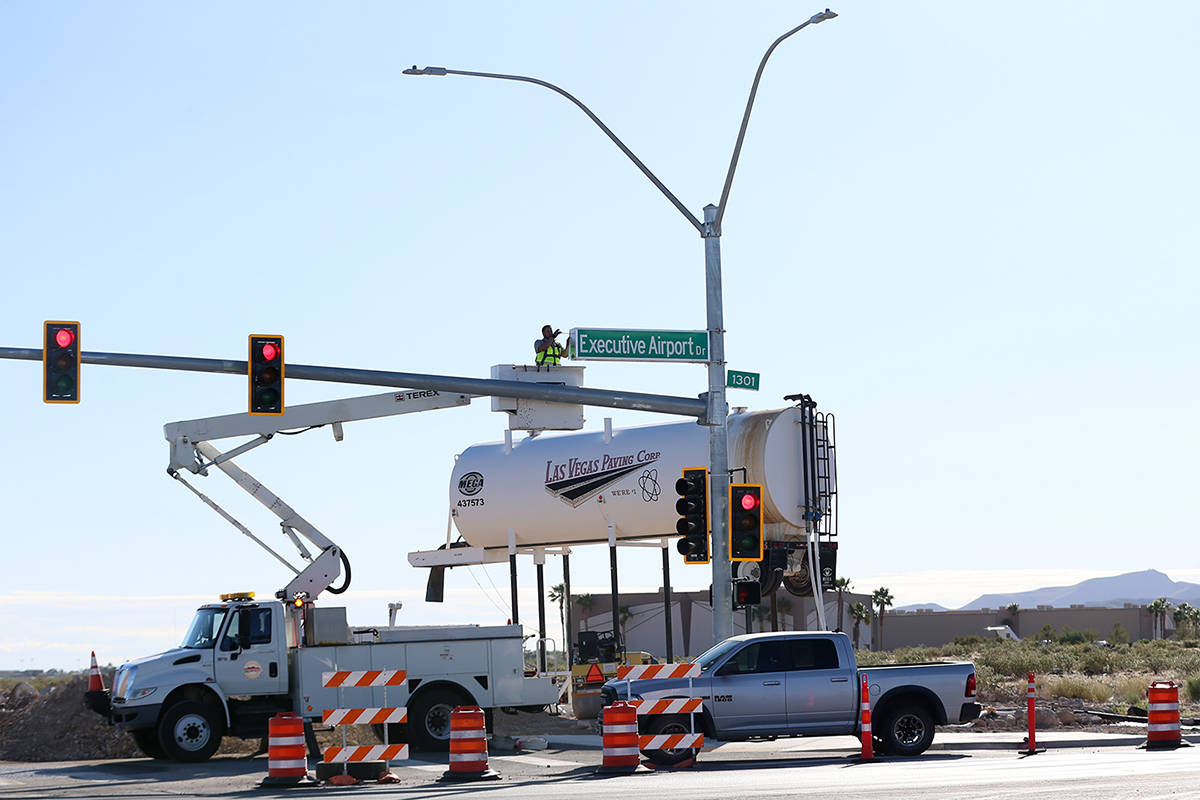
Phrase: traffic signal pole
{"type": "Point", "coordinates": [717, 418]}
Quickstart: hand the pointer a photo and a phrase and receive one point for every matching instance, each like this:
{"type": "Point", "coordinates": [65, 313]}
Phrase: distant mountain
{"type": "Point", "coordinates": [1132, 587]}
{"type": "Point", "coordinates": [921, 607]}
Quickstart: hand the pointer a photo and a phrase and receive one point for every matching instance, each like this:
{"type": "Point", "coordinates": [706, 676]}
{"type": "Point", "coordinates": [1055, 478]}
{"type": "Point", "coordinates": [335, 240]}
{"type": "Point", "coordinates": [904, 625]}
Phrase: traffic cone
{"type": "Point", "coordinates": [95, 679]}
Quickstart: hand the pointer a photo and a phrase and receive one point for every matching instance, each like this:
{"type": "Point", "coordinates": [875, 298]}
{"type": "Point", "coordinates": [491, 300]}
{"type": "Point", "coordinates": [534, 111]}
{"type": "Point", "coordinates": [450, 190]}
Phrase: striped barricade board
{"type": "Point", "coordinates": [639, 672]}
{"type": "Point", "coordinates": [671, 741]}
{"type": "Point", "coordinates": [376, 752]}
{"type": "Point", "coordinates": [364, 716]}
{"type": "Point", "coordinates": [674, 705]}
{"type": "Point", "coordinates": [364, 677]}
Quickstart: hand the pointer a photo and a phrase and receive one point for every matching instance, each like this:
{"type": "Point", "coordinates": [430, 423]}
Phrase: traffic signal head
{"type": "Point", "coordinates": [745, 522]}
{"type": "Point", "coordinates": [265, 370]}
{"type": "Point", "coordinates": [60, 362]}
{"type": "Point", "coordinates": [746, 594]}
{"type": "Point", "coordinates": [692, 506]}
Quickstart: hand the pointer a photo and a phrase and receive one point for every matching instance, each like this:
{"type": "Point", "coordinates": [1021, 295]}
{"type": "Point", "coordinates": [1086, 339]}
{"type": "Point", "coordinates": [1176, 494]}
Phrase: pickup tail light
{"type": "Point", "coordinates": [971, 685]}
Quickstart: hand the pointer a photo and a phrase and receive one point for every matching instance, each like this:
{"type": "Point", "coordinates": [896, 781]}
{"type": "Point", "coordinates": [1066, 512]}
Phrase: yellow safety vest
{"type": "Point", "coordinates": [551, 356]}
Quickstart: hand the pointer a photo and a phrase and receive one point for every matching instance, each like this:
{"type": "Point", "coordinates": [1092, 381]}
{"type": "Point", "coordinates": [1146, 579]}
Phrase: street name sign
{"type": "Point", "coordinates": [614, 344]}
{"type": "Point", "coordinates": [741, 380]}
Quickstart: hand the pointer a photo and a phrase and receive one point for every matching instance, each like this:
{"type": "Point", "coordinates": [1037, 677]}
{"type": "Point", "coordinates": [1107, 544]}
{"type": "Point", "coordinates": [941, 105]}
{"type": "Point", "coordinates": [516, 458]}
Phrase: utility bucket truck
{"type": "Point", "coordinates": [244, 660]}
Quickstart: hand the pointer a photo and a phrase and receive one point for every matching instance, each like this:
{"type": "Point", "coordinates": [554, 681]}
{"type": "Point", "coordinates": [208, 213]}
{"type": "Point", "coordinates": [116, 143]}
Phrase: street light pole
{"type": "Point", "coordinates": [716, 416]}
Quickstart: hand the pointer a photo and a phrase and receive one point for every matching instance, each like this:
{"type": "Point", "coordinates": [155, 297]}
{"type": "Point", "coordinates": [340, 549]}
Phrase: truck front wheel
{"type": "Point", "coordinates": [147, 741]}
{"type": "Point", "coordinates": [665, 725]}
{"type": "Point", "coordinates": [429, 719]}
{"type": "Point", "coordinates": [189, 731]}
{"type": "Point", "coordinates": [908, 730]}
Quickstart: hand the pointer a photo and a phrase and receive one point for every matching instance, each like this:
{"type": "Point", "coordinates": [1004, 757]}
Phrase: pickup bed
{"type": "Point", "coordinates": [770, 685]}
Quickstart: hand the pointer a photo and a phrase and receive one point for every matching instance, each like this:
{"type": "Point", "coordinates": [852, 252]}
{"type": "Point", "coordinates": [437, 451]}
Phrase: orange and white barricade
{"type": "Point", "coordinates": [1162, 723]}
{"type": "Point", "coordinates": [691, 740]}
{"type": "Point", "coordinates": [368, 756]}
{"type": "Point", "coordinates": [468, 746]}
{"type": "Point", "coordinates": [287, 757]}
{"type": "Point", "coordinates": [619, 732]}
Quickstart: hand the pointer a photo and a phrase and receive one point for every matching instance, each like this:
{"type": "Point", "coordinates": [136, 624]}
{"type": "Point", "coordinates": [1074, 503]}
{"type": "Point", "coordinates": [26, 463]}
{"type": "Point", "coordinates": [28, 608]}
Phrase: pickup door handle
{"type": "Point", "coordinates": [840, 680]}
{"type": "Point", "coordinates": [770, 683]}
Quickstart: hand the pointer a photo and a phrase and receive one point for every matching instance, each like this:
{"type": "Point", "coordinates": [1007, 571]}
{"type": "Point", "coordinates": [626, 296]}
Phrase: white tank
{"type": "Point", "coordinates": [569, 488]}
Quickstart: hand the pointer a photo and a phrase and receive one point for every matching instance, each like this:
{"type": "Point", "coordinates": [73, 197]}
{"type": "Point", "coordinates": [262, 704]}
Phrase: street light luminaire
{"type": "Point", "coordinates": [413, 70]}
{"type": "Point", "coordinates": [824, 15]}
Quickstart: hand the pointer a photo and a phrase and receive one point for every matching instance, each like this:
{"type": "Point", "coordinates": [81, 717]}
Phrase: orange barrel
{"type": "Point", "coordinates": [868, 746]}
{"type": "Point", "coordinates": [287, 761]}
{"type": "Point", "coordinates": [468, 746]}
{"type": "Point", "coordinates": [1162, 725]}
{"type": "Point", "coordinates": [619, 729]}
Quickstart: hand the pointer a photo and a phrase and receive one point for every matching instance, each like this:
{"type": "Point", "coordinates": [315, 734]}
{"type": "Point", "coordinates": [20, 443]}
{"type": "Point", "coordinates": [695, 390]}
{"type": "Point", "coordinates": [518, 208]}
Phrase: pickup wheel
{"type": "Point", "coordinates": [147, 741]}
{"type": "Point", "coordinates": [908, 730]}
{"type": "Point", "coordinates": [429, 719]}
{"type": "Point", "coordinates": [190, 732]}
{"type": "Point", "coordinates": [664, 725]}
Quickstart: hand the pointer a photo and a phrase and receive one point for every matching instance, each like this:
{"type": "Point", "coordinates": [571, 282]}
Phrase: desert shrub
{"type": "Point", "coordinates": [1094, 660]}
{"type": "Point", "coordinates": [1119, 635]}
{"type": "Point", "coordinates": [1131, 691]}
{"type": "Point", "coordinates": [1073, 686]}
{"type": "Point", "coordinates": [1193, 688]}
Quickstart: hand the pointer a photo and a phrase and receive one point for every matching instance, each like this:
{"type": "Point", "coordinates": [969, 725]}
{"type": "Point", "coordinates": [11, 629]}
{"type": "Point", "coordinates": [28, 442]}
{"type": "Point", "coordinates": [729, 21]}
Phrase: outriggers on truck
{"type": "Point", "coordinates": [243, 660]}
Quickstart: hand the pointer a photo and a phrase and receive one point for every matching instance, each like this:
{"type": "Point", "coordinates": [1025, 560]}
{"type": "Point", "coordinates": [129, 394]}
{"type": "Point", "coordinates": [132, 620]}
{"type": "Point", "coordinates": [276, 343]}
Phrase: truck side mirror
{"type": "Point", "coordinates": [243, 630]}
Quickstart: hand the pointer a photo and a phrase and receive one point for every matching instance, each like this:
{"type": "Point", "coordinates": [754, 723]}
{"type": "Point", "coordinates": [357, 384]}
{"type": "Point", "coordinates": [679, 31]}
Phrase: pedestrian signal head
{"type": "Point", "coordinates": [746, 594]}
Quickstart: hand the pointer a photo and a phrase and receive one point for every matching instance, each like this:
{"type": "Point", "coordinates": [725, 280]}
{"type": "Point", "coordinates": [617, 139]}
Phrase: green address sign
{"type": "Point", "coordinates": [741, 380]}
{"type": "Point", "coordinates": [613, 344]}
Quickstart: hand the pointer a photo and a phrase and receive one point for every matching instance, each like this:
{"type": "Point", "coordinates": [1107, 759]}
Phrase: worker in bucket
{"type": "Point", "coordinates": [548, 352]}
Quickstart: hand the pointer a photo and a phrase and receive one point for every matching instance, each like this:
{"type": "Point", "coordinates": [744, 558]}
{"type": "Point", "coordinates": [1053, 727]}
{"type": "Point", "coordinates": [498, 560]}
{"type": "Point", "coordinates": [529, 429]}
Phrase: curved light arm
{"type": "Point", "coordinates": [737, 148]}
{"type": "Point", "coordinates": [645, 170]}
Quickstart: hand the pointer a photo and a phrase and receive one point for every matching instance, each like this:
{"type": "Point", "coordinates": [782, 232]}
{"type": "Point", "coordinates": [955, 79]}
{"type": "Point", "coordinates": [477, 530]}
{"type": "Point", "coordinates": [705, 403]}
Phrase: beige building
{"type": "Point", "coordinates": [932, 628]}
{"type": "Point", "coordinates": [642, 624]}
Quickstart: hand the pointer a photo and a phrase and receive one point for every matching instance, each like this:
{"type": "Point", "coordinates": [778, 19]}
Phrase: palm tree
{"type": "Point", "coordinates": [624, 615]}
{"type": "Point", "coordinates": [841, 586]}
{"type": "Point", "coordinates": [557, 595]}
{"type": "Point", "coordinates": [1183, 619]}
{"type": "Point", "coordinates": [882, 598]}
{"type": "Point", "coordinates": [1013, 610]}
{"type": "Point", "coordinates": [585, 602]}
{"type": "Point", "coordinates": [784, 604]}
{"type": "Point", "coordinates": [759, 613]}
{"type": "Point", "coordinates": [1158, 617]}
{"type": "Point", "coordinates": [859, 613]}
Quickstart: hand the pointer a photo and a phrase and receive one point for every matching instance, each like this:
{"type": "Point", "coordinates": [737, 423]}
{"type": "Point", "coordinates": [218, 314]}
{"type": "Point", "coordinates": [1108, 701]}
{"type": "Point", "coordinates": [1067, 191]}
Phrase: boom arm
{"type": "Point", "coordinates": [191, 451]}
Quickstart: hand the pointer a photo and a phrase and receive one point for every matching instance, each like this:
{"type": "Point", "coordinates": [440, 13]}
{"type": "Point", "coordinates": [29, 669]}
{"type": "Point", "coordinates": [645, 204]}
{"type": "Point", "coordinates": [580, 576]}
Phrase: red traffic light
{"type": "Point", "coordinates": [749, 502]}
{"type": "Point", "coordinates": [269, 351]}
{"type": "Point", "coordinates": [64, 337]}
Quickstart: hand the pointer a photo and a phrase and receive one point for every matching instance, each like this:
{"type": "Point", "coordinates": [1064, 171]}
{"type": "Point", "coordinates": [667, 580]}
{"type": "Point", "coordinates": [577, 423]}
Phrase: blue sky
{"type": "Point", "coordinates": [966, 229]}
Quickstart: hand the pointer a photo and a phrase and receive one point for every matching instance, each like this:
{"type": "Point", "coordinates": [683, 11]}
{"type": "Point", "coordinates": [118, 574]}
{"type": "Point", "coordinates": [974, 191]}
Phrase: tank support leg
{"type": "Point", "coordinates": [667, 602]}
{"type": "Point", "coordinates": [612, 568]}
{"type": "Point", "coordinates": [539, 560]}
{"type": "Point", "coordinates": [512, 574]}
{"type": "Point", "coordinates": [567, 595]}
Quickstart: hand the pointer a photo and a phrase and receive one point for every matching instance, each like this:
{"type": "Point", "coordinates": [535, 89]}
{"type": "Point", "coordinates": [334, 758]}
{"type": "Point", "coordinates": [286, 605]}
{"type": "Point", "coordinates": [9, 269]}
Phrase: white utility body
{"type": "Point", "coordinates": [242, 660]}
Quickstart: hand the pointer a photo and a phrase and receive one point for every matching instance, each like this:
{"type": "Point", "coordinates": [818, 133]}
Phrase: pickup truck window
{"type": "Point", "coordinates": [770, 656]}
{"type": "Point", "coordinates": [715, 653]}
{"type": "Point", "coordinates": [812, 654]}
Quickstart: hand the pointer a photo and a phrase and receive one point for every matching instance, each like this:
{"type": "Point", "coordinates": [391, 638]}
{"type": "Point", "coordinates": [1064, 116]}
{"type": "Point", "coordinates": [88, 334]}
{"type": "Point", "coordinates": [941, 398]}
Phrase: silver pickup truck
{"type": "Point", "coordinates": [769, 685]}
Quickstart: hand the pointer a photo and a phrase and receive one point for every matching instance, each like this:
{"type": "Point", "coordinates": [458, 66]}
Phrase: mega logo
{"type": "Point", "coordinates": [471, 483]}
{"type": "Point", "coordinates": [577, 480]}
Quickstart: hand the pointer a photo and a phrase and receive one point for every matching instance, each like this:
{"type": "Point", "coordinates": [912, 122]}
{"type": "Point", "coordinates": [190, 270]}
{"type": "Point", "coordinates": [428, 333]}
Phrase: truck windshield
{"type": "Point", "coordinates": [715, 653]}
{"type": "Point", "coordinates": [202, 633]}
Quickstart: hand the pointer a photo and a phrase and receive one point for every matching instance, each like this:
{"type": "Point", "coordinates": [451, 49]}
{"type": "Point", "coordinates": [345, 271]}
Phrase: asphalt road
{"type": "Point", "coordinates": [1095, 766]}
